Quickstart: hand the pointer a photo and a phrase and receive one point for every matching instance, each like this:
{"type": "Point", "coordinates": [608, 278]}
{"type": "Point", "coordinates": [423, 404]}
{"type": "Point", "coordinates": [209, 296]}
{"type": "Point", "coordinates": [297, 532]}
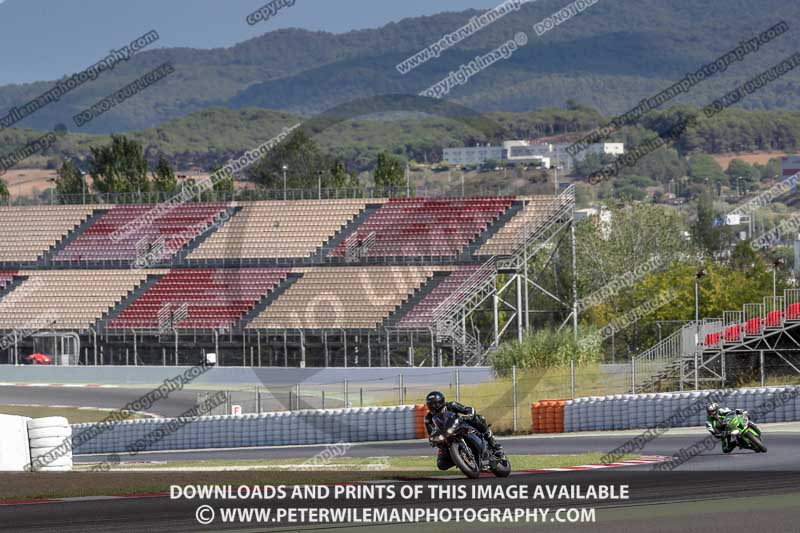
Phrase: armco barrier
{"type": "Point", "coordinates": [15, 452]}
{"type": "Point", "coordinates": [313, 426]}
{"type": "Point", "coordinates": [643, 411]}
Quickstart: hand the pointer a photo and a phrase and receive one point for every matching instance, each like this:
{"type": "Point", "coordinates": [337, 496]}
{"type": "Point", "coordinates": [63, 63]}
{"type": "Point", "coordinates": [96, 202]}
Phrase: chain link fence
{"type": "Point", "coordinates": [504, 401]}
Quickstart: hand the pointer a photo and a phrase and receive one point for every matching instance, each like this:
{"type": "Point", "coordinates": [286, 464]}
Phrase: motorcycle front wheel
{"type": "Point", "coordinates": [756, 443]}
{"type": "Point", "coordinates": [465, 459]}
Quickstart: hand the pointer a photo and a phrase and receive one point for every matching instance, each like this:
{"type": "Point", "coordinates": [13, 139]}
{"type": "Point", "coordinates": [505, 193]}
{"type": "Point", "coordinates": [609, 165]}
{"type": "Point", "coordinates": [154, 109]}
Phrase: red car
{"type": "Point", "coordinates": [38, 359]}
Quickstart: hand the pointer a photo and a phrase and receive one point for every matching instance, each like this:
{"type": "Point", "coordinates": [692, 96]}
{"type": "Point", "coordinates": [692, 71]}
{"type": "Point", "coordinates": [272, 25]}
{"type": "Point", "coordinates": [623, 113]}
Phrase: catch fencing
{"type": "Point", "coordinates": [502, 400]}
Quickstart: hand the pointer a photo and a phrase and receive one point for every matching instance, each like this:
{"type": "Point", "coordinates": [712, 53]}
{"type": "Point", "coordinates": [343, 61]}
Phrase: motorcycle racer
{"type": "Point", "coordinates": [437, 404]}
{"type": "Point", "coordinates": [717, 425]}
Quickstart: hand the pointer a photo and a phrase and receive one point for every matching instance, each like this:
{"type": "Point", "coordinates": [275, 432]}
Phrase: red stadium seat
{"type": "Point", "coordinates": [121, 233]}
{"type": "Point", "coordinates": [733, 333]}
{"type": "Point", "coordinates": [422, 227]}
{"type": "Point", "coordinates": [421, 315]}
{"type": "Point", "coordinates": [774, 319]}
{"type": "Point", "coordinates": [753, 326]}
{"type": "Point", "coordinates": [214, 297]}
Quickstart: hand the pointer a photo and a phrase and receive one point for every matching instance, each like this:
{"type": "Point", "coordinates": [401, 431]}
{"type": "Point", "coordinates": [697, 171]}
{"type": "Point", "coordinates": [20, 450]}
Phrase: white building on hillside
{"type": "Point", "coordinates": [526, 152]}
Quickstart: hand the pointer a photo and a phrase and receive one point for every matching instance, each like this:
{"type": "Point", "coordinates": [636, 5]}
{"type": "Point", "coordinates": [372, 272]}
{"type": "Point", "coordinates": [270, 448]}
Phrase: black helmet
{"type": "Point", "coordinates": [435, 401]}
{"type": "Point", "coordinates": [712, 410]}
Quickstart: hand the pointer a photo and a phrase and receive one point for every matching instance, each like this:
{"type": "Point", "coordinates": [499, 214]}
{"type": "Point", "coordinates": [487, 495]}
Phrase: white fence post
{"type": "Point", "coordinates": [514, 390]}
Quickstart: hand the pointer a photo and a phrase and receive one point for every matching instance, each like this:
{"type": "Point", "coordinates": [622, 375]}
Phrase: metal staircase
{"type": "Point", "coordinates": [537, 232]}
{"type": "Point", "coordinates": [449, 318]}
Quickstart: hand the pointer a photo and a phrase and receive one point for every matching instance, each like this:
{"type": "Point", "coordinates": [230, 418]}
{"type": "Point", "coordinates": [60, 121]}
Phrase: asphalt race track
{"type": "Point", "coordinates": [712, 492]}
{"type": "Point", "coordinates": [784, 450]}
{"type": "Point", "coordinates": [744, 490]}
{"type": "Point", "coordinates": [177, 403]}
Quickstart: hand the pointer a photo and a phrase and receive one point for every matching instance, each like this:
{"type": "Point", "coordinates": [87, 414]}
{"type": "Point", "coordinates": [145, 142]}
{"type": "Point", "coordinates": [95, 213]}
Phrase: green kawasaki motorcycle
{"type": "Point", "coordinates": [744, 434]}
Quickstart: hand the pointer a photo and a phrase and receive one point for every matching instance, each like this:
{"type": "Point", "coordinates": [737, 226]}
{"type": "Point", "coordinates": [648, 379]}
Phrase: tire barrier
{"type": "Point", "coordinates": [547, 416]}
{"type": "Point", "coordinates": [15, 452]}
{"type": "Point", "coordinates": [644, 411]}
{"type": "Point", "coordinates": [420, 410]}
{"type": "Point", "coordinates": [46, 436]}
{"type": "Point", "coordinates": [313, 426]}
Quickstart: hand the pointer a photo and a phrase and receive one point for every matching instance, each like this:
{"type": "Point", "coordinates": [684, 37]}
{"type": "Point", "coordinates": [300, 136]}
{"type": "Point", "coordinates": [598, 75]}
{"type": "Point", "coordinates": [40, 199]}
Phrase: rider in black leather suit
{"type": "Point", "coordinates": [436, 404]}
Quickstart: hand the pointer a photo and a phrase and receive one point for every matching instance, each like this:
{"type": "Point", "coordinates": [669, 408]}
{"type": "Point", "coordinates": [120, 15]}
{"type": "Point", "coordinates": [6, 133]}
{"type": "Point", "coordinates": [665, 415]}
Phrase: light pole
{"type": "Point", "coordinates": [285, 168]}
{"type": "Point", "coordinates": [700, 274]}
{"type": "Point", "coordinates": [319, 184]}
{"type": "Point", "coordinates": [779, 262]}
{"type": "Point", "coordinates": [50, 180]}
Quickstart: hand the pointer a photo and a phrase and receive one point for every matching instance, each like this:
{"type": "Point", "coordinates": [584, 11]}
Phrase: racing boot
{"type": "Point", "coordinates": [492, 442]}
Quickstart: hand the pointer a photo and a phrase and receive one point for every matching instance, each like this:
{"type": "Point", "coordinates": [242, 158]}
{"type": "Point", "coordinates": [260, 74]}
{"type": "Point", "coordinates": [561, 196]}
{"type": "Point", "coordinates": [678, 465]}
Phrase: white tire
{"type": "Point", "coordinates": [49, 432]}
{"type": "Point", "coordinates": [66, 468]}
{"type": "Point", "coordinates": [48, 422]}
{"type": "Point", "coordinates": [41, 452]}
{"type": "Point", "coordinates": [60, 462]}
{"type": "Point", "coordinates": [50, 442]}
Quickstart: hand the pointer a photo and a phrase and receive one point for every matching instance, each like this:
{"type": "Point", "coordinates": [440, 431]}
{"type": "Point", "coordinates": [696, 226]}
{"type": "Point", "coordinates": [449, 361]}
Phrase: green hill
{"type": "Point", "coordinates": [609, 57]}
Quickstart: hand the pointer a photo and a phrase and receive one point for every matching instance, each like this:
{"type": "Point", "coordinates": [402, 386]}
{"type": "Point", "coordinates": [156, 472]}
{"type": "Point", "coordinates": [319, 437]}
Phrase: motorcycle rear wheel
{"type": "Point", "coordinates": [465, 459]}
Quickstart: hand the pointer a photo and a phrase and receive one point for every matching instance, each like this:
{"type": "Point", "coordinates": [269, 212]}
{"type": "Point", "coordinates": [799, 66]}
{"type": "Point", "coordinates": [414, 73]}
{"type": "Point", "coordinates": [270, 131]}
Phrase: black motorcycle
{"type": "Point", "coordinates": [469, 450]}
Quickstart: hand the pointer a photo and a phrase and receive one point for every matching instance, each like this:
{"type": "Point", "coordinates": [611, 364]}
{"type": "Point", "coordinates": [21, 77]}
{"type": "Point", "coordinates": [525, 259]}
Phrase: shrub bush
{"type": "Point", "coordinates": [546, 349]}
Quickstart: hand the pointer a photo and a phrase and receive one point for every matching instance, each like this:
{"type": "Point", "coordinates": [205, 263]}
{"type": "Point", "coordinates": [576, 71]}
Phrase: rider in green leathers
{"type": "Point", "coordinates": [716, 424]}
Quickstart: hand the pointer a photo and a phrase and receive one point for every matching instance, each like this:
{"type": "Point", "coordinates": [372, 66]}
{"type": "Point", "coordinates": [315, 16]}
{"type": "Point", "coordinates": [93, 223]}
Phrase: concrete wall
{"type": "Point", "coordinates": [141, 375]}
{"type": "Point", "coordinates": [15, 453]}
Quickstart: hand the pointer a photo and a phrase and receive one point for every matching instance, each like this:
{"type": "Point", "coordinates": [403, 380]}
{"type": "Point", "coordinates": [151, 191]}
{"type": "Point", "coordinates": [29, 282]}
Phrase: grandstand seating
{"type": "Point", "coordinates": [418, 227]}
{"type": "Point", "coordinates": [27, 233]}
{"type": "Point", "coordinates": [323, 297]}
{"type": "Point", "coordinates": [756, 326]}
{"type": "Point", "coordinates": [733, 333]}
{"type": "Point", "coordinates": [774, 319]}
{"type": "Point", "coordinates": [126, 232]}
{"type": "Point", "coordinates": [215, 298]}
{"type": "Point", "coordinates": [536, 211]}
{"type": "Point", "coordinates": [342, 297]}
{"type": "Point", "coordinates": [712, 339]}
{"type": "Point", "coordinates": [753, 326]}
{"type": "Point", "coordinates": [66, 299]}
{"type": "Point", "coordinates": [6, 277]}
{"type": "Point", "coordinates": [279, 229]}
{"type": "Point", "coordinates": [421, 315]}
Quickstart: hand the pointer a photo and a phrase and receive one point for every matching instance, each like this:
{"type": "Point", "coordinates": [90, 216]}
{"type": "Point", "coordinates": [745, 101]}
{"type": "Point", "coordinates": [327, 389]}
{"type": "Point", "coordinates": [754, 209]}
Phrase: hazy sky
{"type": "Point", "coordinates": [44, 39]}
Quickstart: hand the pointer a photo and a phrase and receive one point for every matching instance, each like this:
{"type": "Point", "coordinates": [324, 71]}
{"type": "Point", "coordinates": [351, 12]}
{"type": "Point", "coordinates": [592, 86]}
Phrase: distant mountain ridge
{"type": "Point", "coordinates": [609, 57]}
